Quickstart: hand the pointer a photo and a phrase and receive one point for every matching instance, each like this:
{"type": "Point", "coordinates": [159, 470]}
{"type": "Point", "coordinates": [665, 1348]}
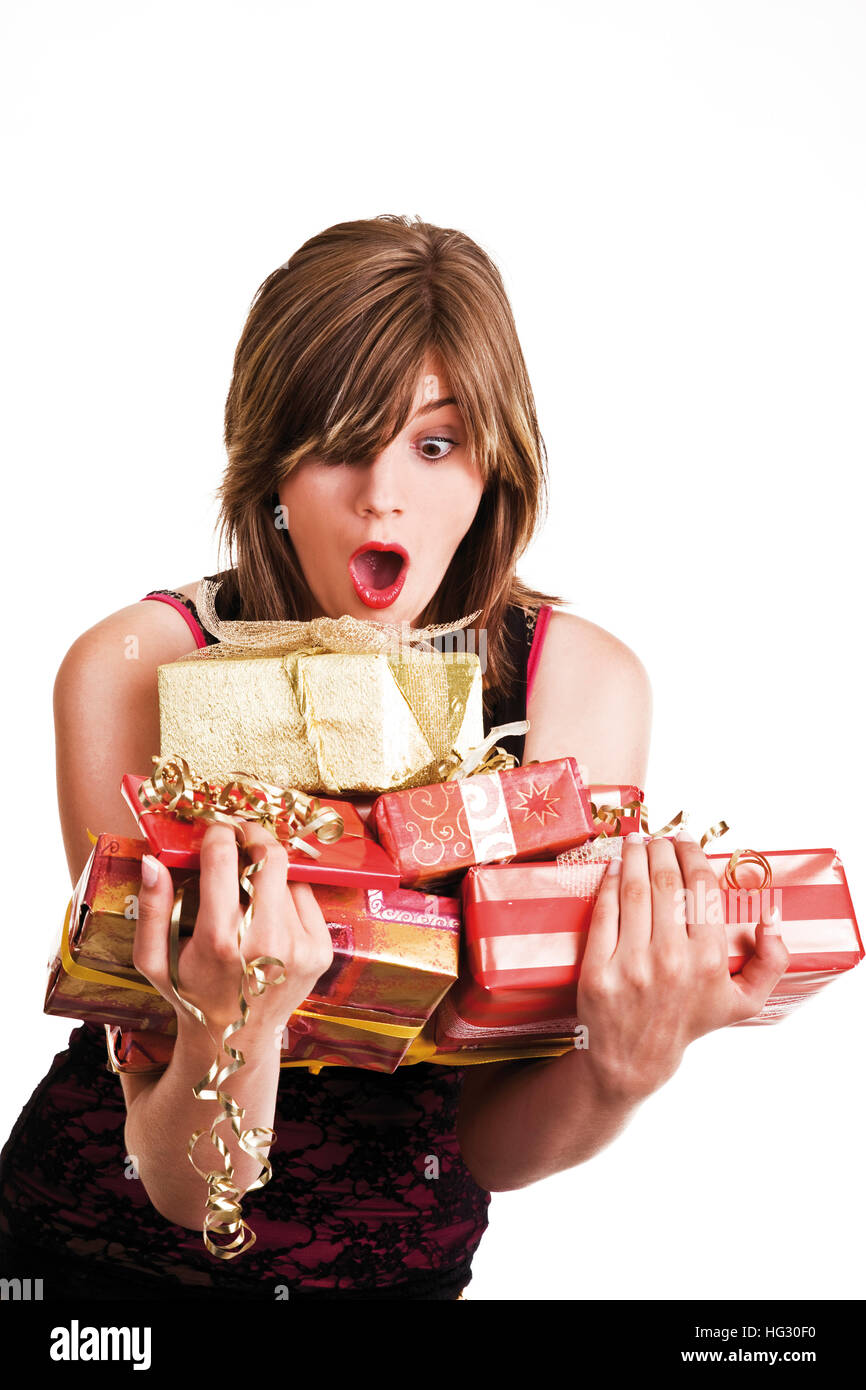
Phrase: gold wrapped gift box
{"type": "Point", "coordinates": [322, 721]}
{"type": "Point", "coordinates": [395, 956]}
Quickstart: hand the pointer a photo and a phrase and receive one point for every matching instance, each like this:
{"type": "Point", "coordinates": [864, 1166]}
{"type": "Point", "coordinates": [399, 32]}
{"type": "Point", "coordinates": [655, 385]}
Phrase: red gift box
{"type": "Point", "coordinates": [528, 812]}
{"type": "Point", "coordinates": [354, 859]}
{"type": "Point", "coordinates": [525, 932]}
{"type": "Point", "coordinates": [395, 956]}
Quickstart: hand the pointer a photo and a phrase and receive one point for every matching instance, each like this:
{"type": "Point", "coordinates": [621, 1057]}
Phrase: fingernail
{"type": "Point", "coordinates": [633, 838]}
{"type": "Point", "coordinates": [149, 870]}
{"type": "Point", "coordinates": [685, 834]}
{"type": "Point", "coordinates": [613, 867]}
{"type": "Point", "coordinates": [772, 923]}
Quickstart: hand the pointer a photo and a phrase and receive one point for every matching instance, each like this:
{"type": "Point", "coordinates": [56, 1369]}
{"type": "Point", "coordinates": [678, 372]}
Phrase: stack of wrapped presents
{"type": "Point", "coordinates": [458, 886]}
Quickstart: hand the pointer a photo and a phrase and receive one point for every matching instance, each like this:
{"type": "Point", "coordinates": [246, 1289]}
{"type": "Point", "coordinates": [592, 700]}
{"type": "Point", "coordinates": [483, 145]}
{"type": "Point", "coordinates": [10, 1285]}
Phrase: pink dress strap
{"type": "Point", "coordinates": [541, 623]}
{"type": "Point", "coordinates": [185, 608]}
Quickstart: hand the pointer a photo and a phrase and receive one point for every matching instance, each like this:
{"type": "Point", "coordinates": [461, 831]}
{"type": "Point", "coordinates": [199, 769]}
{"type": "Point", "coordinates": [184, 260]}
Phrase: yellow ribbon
{"type": "Point", "coordinates": [388, 1030]}
{"type": "Point", "coordinates": [96, 977]}
{"type": "Point", "coordinates": [424, 1050]}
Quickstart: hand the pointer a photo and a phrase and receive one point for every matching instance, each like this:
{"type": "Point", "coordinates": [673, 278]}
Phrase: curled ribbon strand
{"type": "Point", "coordinates": [748, 856]}
{"type": "Point", "coordinates": [576, 867]}
{"type": "Point", "coordinates": [484, 757]}
{"type": "Point", "coordinates": [289, 814]}
{"type": "Point", "coordinates": [223, 1217]}
{"type": "Point", "coordinates": [612, 816]}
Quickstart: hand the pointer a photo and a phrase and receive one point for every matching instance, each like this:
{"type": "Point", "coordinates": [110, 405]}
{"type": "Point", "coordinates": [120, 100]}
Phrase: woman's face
{"type": "Point", "coordinates": [413, 504]}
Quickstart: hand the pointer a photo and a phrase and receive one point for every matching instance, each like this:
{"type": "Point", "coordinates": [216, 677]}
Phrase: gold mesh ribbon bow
{"type": "Point", "coordinates": [345, 635]}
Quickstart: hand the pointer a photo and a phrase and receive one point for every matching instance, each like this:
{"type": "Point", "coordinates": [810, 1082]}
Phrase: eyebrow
{"type": "Point", "coordinates": [434, 405]}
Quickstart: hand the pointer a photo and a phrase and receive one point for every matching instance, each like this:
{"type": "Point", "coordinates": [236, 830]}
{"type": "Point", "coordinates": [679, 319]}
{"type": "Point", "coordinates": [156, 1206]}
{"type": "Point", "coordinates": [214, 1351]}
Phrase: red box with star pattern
{"type": "Point", "coordinates": [531, 812]}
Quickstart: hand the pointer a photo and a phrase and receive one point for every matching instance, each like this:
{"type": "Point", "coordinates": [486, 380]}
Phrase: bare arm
{"type": "Point", "coordinates": [107, 723]}
{"type": "Point", "coordinates": [287, 925]}
{"type": "Point", "coordinates": [163, 1112]}
{"type": "Point", "coordinates": [522, 1121]}
{"type": "Point", "coordinates": [106, 718]}
{"type": "Point", "coordinates": [650, 982]}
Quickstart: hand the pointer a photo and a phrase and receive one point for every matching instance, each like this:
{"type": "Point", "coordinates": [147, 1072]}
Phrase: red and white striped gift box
{"type": "Point", "coordinates": [525, 934]}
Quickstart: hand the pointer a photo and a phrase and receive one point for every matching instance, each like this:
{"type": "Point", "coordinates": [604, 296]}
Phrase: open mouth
{"type": "Point", "coordinates": [378, 572]}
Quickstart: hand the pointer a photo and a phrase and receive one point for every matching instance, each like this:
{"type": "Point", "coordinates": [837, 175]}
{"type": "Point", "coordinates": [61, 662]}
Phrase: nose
{"type": "Point", "coordinates": [380, 486]}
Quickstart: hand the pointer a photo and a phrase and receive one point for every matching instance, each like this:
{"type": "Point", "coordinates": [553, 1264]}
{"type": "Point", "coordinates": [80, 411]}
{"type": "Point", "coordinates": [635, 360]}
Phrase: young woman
{"type": "Point", "coordinates": [384, 460]}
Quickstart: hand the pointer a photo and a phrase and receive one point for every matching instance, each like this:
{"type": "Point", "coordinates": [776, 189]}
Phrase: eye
{"type": "Point", "coordinates": [436, 439]}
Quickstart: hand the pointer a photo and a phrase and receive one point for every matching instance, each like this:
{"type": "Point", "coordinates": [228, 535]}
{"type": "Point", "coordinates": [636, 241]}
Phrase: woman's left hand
{"type": "Point", "coordinates": [655, 974]}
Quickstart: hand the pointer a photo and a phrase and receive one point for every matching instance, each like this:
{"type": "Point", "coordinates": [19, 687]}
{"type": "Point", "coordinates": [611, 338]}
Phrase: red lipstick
{"type": "Point", "coordinates": [378, 572]}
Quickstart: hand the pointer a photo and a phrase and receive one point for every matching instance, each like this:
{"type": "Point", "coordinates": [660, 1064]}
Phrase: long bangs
{"type": "Point", "coordinates": [327, 366]}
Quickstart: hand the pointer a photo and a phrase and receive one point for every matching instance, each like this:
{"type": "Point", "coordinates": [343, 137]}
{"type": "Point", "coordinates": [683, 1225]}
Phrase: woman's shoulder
{"type": "Point", "coordinates": [574, 643]}
{"type": "Point", "coordinates": [136, 637]}
{"type": "Point", "coordinates": [106, 716]}
{"type": "Point", "coordinates": [592, 697]}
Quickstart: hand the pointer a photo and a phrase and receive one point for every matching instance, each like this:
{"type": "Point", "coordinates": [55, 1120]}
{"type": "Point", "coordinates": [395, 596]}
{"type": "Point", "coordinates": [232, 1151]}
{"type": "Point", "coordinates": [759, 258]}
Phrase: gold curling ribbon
{"type": "Point", "coordinates": [344, 635]}
{"type": "Point", "coordinates": [223, 1212]}
{"type": "Point", "coordinates": [748, 856]}
{"type": "Point", "coordinates": [171, 789]}
{"type": "Point", "coordinates": [484, 757]}
{"type": "Point", "coordinates": [739, 856]}
{"type": "Point", "coordinates": [613, 815]}
{"type": "Point", "coordinates": [721, 827]}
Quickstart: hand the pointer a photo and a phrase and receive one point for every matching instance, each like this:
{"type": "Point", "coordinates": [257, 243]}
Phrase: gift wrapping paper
{"type": "Point", "coordinates": [525, 932]}
{"type": "Point", "coordinates": [91, 975]}
{"type": "Point", "coordinates": [609, 798]}
{"type": "Point", "coordinates": [355, 858]}
{"type": "Point", "coordinates": [321, 721]}
{"type": "Point", "coordinates": [529, 812]}
{"type": "Point", "coordinates": [395, 955]}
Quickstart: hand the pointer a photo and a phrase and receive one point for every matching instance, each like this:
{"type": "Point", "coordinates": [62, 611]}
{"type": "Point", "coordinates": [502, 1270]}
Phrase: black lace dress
{"type": "Point", "coordinates": [351, 1210]}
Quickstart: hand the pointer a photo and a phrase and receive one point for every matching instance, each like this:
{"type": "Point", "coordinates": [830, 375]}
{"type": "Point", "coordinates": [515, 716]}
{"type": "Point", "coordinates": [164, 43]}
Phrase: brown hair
{"type": "Point", "coordinates": [327, 365]}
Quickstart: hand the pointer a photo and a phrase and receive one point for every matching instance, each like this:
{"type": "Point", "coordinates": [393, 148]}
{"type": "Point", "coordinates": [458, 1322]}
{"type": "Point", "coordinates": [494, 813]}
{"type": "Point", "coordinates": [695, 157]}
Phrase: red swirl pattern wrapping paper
{"type": "Point", "coordinates": [531, 812]}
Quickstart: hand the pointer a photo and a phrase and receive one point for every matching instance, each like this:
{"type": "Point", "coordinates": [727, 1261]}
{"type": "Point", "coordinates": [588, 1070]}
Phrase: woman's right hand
{"type": "Point", "coordinates": [287, 922]}
{"type": "Point", "coordinates": [655, 975]}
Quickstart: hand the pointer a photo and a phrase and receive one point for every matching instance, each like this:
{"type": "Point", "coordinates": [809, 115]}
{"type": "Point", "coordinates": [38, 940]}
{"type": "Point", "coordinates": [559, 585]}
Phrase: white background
{"type": "Point", "coordinates": [674, 194]}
